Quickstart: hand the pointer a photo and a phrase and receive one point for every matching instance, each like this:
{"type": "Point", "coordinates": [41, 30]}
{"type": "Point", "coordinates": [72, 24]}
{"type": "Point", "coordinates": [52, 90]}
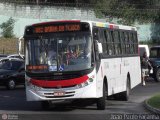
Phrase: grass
{"type": "Point", "coordinates": [155, 101]}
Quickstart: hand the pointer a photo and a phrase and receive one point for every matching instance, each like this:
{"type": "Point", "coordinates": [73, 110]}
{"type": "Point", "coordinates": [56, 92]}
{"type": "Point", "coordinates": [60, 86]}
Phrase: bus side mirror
{"type": "Point", "coordinates": [98, 47]}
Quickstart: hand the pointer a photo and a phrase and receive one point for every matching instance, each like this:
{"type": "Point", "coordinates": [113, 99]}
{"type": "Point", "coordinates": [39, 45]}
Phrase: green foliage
{"type": "Point", "coordinates": [7, 28]}
{"type": "Point", "coordinates": [146, 42]}
{"type": "Point", "coordinates": [128, 11]}
{"type": "Point", "coordinates": [155, 35]}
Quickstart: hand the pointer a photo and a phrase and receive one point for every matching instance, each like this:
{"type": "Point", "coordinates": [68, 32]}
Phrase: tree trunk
{"type": "Point", "coordinates": [37, 1]}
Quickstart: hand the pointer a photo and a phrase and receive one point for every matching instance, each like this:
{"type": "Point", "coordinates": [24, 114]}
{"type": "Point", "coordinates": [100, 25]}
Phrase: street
{"type": "Point", "coordinates": [14, 103]}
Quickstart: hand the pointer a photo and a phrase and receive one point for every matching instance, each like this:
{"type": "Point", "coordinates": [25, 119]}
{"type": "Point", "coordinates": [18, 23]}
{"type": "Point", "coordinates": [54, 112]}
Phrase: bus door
{"type": "Point", "coordinates": [98, 52]}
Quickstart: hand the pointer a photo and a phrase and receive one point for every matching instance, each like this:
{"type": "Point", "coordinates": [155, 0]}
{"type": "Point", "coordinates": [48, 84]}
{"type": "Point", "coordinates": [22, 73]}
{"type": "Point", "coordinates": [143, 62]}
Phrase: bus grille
{"type": "Point", "coordinates": [59, 96]}
{"type": "Point", "coordinates": [67, 94]}
{"type": "Point", "coordinates": [56, 77]}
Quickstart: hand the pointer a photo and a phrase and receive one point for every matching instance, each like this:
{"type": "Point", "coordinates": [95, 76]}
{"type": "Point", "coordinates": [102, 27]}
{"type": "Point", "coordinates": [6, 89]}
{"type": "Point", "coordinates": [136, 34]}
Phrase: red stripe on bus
{"type": "Point", "coordinates": [62, 83]}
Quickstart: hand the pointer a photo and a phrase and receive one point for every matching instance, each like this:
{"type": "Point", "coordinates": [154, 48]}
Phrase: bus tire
{"type": "Point", "coordinates": [125, 94]}
{"type": "Point", "coordinates": [101, 102]}
{"type": "Point", "coordinates": [157, 75]}
{"type": "Point", "coordinates": [45, 105]}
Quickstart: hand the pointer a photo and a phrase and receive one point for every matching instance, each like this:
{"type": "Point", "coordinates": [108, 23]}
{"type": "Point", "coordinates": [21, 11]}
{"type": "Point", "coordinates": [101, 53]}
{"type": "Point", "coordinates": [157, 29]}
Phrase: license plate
{"type": "Point", "coordinates": [59, 93]}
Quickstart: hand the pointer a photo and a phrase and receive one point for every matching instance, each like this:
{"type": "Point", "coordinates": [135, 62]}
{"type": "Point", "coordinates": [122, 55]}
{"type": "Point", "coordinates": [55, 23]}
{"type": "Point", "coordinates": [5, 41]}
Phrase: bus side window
{"type": "Point", "coordinates": [112, 46]}
{"type": "Point", "coordinates": [131, 42]}
{"type": "Point", "coordinates": [99, 40]}
{"type": "Point", "coordinates": [109, 48]}
{"type": "Point", "coordinates": [126, 42]}
{"type": "Point", "coordinates": [117, 42]}
{"type": "Point", "coordinates": [135, 42]}
{"type": "Point", "coordinates": [98, 35]}
{"type": "Point", "coordinates": [105, 43]}
{"type": "Point", "coordinates": [122, 42]}
{"type": "Point", "coordinates": [95, 33]}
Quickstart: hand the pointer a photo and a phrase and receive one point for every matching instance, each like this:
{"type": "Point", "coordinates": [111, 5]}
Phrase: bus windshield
{"type": "Point", "coordinates": [60, 52]}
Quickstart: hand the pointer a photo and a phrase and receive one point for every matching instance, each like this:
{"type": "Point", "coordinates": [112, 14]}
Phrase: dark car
{"type": "Point", "coordinates": [12, 72]}
{"type": "Point", "coordinates": [2, 56]}
{"type": "Point", "coordinates": [155, 61]}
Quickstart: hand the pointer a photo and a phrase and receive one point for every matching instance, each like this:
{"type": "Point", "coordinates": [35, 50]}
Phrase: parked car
{"type": "Point", "coordinates": [3, 60]}
{"type": "Point", "coordinates": [12, 72]}
{"type": "Point", "coordinates": [155, 62]}
{"type": "Point", "coordinates": [142, 49]}
{"type": "Point", "coordinates": [2, 56]}
{"type": "Point", "coordinates": [16, 56]}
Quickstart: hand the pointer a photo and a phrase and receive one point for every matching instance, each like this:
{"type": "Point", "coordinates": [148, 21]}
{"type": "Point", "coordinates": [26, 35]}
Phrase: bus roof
{"type": "Point", "coordinates": [113, 26]}
{"type": "Point", "coordinates": [94, 23]}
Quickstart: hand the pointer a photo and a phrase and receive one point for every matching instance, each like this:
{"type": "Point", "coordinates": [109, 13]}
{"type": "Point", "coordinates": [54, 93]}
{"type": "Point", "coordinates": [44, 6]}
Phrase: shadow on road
{"type": "Point", "coordinates": [87, 104]}
{"type": "Point", "coordinates": [19, 87]}
{"type": "Point", "coordinates": [15, 100]}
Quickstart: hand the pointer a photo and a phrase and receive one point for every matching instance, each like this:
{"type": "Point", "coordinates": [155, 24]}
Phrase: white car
{"type": "Point", "coordinates": [2, 56]}
{"type": "Point", "coordinates": [142, 49]}
{"type": "Point", "coordinates": [16, 56]}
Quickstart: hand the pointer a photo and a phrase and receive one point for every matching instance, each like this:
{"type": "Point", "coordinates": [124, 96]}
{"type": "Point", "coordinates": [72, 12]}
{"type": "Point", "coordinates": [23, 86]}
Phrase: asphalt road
{"type": "Point", "coordinates": [13, 105]}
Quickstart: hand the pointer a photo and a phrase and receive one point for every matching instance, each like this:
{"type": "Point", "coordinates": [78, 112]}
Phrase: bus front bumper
{"type": "Point", "coordinates": [61, 93]}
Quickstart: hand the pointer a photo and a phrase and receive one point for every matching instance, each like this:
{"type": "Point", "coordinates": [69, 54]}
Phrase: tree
{"type": "Point", "coordinates": [130, 11]}
{"type": "Point", "coordinates": [7, 28]}
{"type": "Point", "coordinates": [155, 35]}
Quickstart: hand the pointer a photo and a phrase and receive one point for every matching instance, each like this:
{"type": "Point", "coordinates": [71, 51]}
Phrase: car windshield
{"type": "Point", "coordinates": [155, 53]}
{"type": "Point", "coordinates": [10, 65]}
{"type": "Point", "coordinates": [61, 52]}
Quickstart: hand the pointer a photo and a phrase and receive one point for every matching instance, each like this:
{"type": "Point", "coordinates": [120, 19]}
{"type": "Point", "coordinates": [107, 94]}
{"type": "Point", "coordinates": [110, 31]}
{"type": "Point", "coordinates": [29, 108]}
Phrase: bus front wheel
{"type": "Point", "coordinates": [101, 102]}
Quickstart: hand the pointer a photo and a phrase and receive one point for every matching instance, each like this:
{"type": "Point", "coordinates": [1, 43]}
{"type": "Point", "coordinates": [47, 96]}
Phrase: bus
{"type": "Point", "coordinates": [75, 59]}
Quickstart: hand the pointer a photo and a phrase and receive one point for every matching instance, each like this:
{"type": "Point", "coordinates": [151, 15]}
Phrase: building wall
{"type": "Point", "coordinates": [29, 14]}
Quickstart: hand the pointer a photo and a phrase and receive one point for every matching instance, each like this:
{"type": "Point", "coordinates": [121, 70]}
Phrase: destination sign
{"type": "Point", "coordinates": [57, 28]}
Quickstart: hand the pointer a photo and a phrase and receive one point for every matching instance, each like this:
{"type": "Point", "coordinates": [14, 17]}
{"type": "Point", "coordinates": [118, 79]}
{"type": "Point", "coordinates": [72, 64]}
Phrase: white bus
{"type": "Point", "coordinates": [73, 59]}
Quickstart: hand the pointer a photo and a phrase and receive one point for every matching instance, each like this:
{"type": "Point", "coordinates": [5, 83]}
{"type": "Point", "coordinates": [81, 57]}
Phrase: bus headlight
{"type": "Point", "coordinates": [33, 87]}
{"type": "Point", "coordinates": [36, 88]}
{"type": "Point", "coordinates": [86, 83]}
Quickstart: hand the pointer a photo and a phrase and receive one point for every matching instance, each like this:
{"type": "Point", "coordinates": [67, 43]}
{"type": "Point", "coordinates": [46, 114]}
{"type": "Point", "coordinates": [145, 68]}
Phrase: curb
{"type": "Point", "coordinates": [150, 108]}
